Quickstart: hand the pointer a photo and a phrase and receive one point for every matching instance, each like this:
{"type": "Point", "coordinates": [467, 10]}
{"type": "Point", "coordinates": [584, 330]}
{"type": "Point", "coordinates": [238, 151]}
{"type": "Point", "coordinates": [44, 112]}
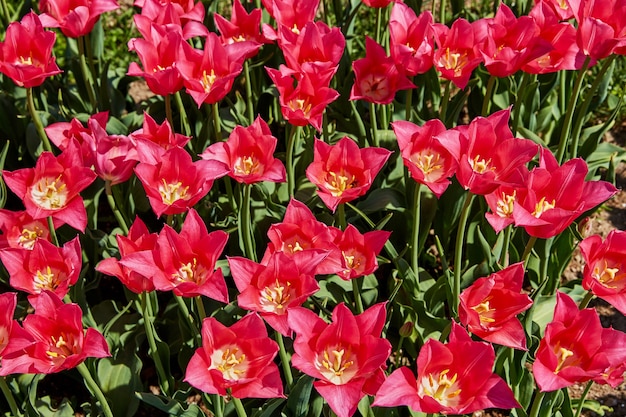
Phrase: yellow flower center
{"type": "Point", "coordinates": [608, 276]}
{"type": "Point", "coordinates": [190, 272]}
{"type": "Point", "coordinates": [504, 206]}
{"type": "Point", "coordinates": [246, 165]}
{"type": "Point", "coordinates": [335, 365]}
{"type": "Point", "coordinates": [28, 237]}
{"type": "Point", "coordinates": [542, 206]}
{"type": "Point", "coordinates": [429, 162]}
{"type": "Point", "coordinates": [337, 184]}
{"type": "Point", "coordinates": [46, 280]}
{"type": "Point", "coordinates": [276, 297]}
{"type": "Point", "coordinates": [480, 166]}
{"type": "Point", "coordinates": [61, 347]}
{"type": "Point", "coordinates": [483, 309]}
{"type": "Point", "coordinates": [565, 357]}
{"type": "Point", "coordinates": [444, 390]}
{"type": "Point", "coordinates": [26, 60]}
{"type": "Point", "coordinates": [453, 61]}
{"type": "Point", "coordinates": [49, 193]}
{"type": "Point", "coordinates": [301, 104]}
{"type": "Point", "coordinates": [208, 80]}
{"type": "Point", "coordinates": [230, 362]}
{"type": "Point", "coordinates": [172, 192]}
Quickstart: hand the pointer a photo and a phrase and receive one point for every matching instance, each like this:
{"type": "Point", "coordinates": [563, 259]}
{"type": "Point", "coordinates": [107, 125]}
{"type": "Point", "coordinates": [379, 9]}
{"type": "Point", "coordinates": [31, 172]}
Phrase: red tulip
{"type": "Point", "coordinates": [452, 378]}
{"type": "Point", "coordinates": [604, 272]}
{"type": "Point", "coordinates": [74, 17]}
{"type": "Point", "coordinates": [54, 339]}
{"type": "Point", "coordinates": [26, 53]}
{"type": "Point", "coordinates": [249, 154]}
{"type": "Point", "coordinates": [316, 44]}
{"type": "Point", "coordinates": [490, 305]}
{"type": "Point", "coordinates": [12, 337]}
{"type": "Point", "coordinates": [176, 183]}
{"type": "Point", "coordinates": [601, 27]}
{"type": "Point", "coordinates": [429, 162]}
{"type": "Point", "coordinates": [376, 78]}
{"type": "Point", "coordinates": [346, 357]}
{"type": "Point", "coordinates": [292, 14]}
{"type": "Point", "coordinates": [154, 139]}
{"type": "Point", "coordinates": [52, 188]}
{"type": "Point", "coordinates": [411, 39]}
{"type": "Point", "coordinates": [116, 155]}
{"type": "Point", "coordinates": [63, 133]}
{"type": "Point", "coordinates": [243, 28]}
{"type": "Point", "coordinates": [358, 251]}
{"type": "Point", "coordinates": [276, 286]}
{"type": "Point", "coordinates": [44, 268]}
{"type": "Point", "coordinates": [182, 13]}
{"type": "Point", "coordinates": [238, 358]}
{"type": "Point", "coordinates": [139, 240]}
{"type": "Point", "coordinates": [560, 7]}
{"type": "Point", "coordinates": [343, 172]}
{"type": "Point", "coordinates": [576, 348]}
{"type": "Point", "coordinates": [20, 230]}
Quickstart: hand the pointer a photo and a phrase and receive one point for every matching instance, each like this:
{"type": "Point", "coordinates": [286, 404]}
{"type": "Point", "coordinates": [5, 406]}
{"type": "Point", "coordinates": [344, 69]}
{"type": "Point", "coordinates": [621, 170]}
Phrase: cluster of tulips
{"type": "Point", "coordinates": [402, 247]}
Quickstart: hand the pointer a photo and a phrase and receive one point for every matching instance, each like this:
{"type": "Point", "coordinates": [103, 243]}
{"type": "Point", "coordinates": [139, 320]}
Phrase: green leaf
{"type": "Point", "coordinates": [119, 379]}
{"type": "Point", "coordinates": [270, 408]}
{"type": "Point", "coordinates": [298, 401]}
{"type": "Point", "coordinates": [46, 409]}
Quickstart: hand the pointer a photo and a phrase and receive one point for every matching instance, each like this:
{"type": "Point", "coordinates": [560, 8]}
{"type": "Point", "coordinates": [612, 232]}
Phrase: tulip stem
{"type": "Point", "coordinates": [111, 199]}
{"type": "Point", "coordinates": [183, 114]}
{"type": "Point", "coordinates": [8, 394]}
{"type": "Point", "coordinates": [95, 388]}
{"type": "Point", "coordinates": [218, 409]}
{"type": "Point", "coordinates": [579, 409]}
{"type": "Point", "coordinates": [188, 316]}
{"type": "Point", "coordinates": [357, 295]}
{"type": "Point", "coordinates": [200, 307]}
{"type": "Point", "coordinates": [458, 251]}
{"type": "Point", "coordinates": [359, 123]}
{"type": "Point", "coordinates": [517, 107]}
{"type": "Point", "coordinates": [341, 216]}
{"type": "Point", "coordinates": [168, 110]}
{"type": "Point", "coordinates": [246, 236]}
{"type": "Point", "coordinates": [6, 16]}
{"type": "Point", "coordinates": [217, 128]}
{"type": "Point", "coordinates": [408, 104]}
{"type": "Point", "coordinates": [569, 113]}
{"type": "Point", "coordinates": [444, 103]}
{"type": "Point", "coordinates": [37, 121]}
{"type": "Point", "coordinates": [373, 125]}
{"type": "Point", "coordinates": [87, 78]}
{"type": "Point", "coordinates": [416, 230]}
{"type": "Point", "coordinates": [536, 407]}
{"type": "Point", "coordinates": [291, 144]}
{"type": "Point", "coordinates": [528, 249]}
{"type": "Point", "coordinates": [325, 126]}
{"type": "Point", "coordinates": [585, 301]}
{"type": "Point", "coordinates": [249, 107]}
{"type": "Point", "coordinates": [148, 316]}
{"type": "Point", "coordinates": [53, 233]}
{"type": "Point", "coordinates": [598, 78]}
{"type": "Point", "coordinates": [284, 359]}
{"type": "Point", "coordinates": [241, 412]}
{"type": "Point", "coordinates": [488, 94]}
{"type": "Point", "coordinates": [504, 255]}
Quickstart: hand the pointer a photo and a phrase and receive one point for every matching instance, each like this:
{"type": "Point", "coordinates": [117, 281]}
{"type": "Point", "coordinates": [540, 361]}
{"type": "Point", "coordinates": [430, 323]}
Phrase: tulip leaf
{"type": "Point", "coordinates": [119, 379]}
{"type": "Point", "coordinates": [270, 408]}
{"type": "Point", "coordinates": [298, 401]}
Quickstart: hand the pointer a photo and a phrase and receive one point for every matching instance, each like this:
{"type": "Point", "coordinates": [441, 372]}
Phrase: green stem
{"type": "Point", "coordinates": [416, 229]}
{"type": "Point", "coordinates": [8, 394]}
{"type": "Point", "coordinates": [325, 134]}
{"type": "Point", "coordinates": [291, 144]}
{"type": "Point", "coordinates": [442, 11]}
{"type": "Point", "coordinates": [95, 388]}
{"type": "Point", "coordinates": [245, 231]}
{"type": "Point", "coordinates": [408, 104]}
{"type": "Point", "coordinates": [284, 359]}
{"type": "Point", "coordinates": [571, 105]}
{"type": "Point", "coordinates": [527, 250]}
{"type": "Point", "coordinates": [359, 123]}
{"type": "Point", "coordinates": [190, 321]}
{"type": "Point", "coordinates": [399, 350]}
{"type": "Point", "coordinates": [585, 301]}
{"type": "Point", "coordinates": [111, 199]}
{"type": "Point", "coordinates": [168, 110]}
{"type": "Point", "coordinates": [200, 307]}
{"type": "Point", "coordinates": [148, 317]}
{"type": "Point", "coordinates": [82, 57]}
{"type": "Point", "coordinates": [444, 103]}
{"type": "Point", "coordinates": [90, 60]}
{"type": "Point", "coordinates": [517, 107]}
{"type": "Point", "coordinates": [249, 107]}
{"type": "Point", "coordinates": [536, 407]}
{"type": "Point", "coordinates": [53, 232]}
{"type": "Point", "coordinates": [6, 15]}
{"type": "Point", "coordinates": [504, 256]}
{"type": "Point", "coordinates": [241, 412]}
{"type": "Point", "coordinates": [598, 78]}
{"type": "Point", "coordinates": [582, 399]}
{"type": "Point", "coordinates": [37, 121]}
{"type": "Point", "coordinates": [217, 128]}
{"type": "Point", "coordinates": [488, 94]}
{"type": "Point", "coordinates": [379, 18]}
{"type": "Point", "coordinates": [341, 216]}
{"type": "Point", "coordinates": [184, 121]}
{"type": "Point", "coordinates": [373, 125]}
{"type": "Point", "coordinates": [458, 251]}
{"type": "Point", "coordinates": [217, 405]}
{"type": "Point", "coordinates": [356, 290]}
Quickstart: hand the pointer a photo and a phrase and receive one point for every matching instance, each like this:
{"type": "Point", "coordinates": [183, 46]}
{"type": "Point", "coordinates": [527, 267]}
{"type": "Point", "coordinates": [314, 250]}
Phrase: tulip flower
{"type": "Point", "coordinates": [346, 357]}
{"type": "Point", "coordinates": [601, 27]}
{"type": "Point", "coordinates": [209, 74]}
{"type": "Point", "coordinates": [376, 78]}
{"type": "Point", "coordinates": [243, 27]}
{"type": "Point", "coordinates": [560, 7]}
{"type": "Point", "coordinates": [377, 3]}
{"type": "Point", "coordinates": [276, 286]}
{"type": "Point", "coordinates": [20, 230]}
{"type": "Point", "coordinates": [343, 172]}
{"type": "Point", "coordinates": [429, 162]}
{"type": "Point", "coordinates": [170, 11]}
{"type": "Point", "coordinates": [301, 231]}
{"type": "Point", "coordinates": [52, 188]}
{"type": "Point", "coordinates": [184, 262]}
{"type": "Point", "coordinates": [54, 339]}
{"type": "Point", "coordinates": [452, 378]}
{"type": "Point", "coordinates": [411, 39]}
{"type": "Point", "coordinates": [154, 139]}
{"type": "Point", "coordinates": [238, 358]}
{"type": "Point", "coordinates": [487, 153]}
{"type": "Point", "coordinates": [176, 183]}
{"type": "Point", "coordinates": [44, 268]}
{"type": "Point", "coordinates": [63, 133]}
{"type": "Point", "coordinates": [75, 18]}
{"type": "Point", "coordinates": [116, 155]}
{"type": "Point", "coordinates": [576, 348]}
{"type": "Point", "coordinates": [604, 271]}
{"type": "Point", "coordinates": [139, 239]}
{"type": "Point", "coordinates": [358, 251]}
{"type": "Point", "coordinates": [26, 53]}
{"type": "Point", "coordinates": [292, 14]}
{"type": "Point", "coordinates": [490, 305]}
{"type": "Point", "coordinates": [316, 44]}
{"type": "Point", "coordinates": [12, 336]}
{"type": "Point", "coordinates": [249, 154]}
{"type": "Point", "coordinates": [554, 196]}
